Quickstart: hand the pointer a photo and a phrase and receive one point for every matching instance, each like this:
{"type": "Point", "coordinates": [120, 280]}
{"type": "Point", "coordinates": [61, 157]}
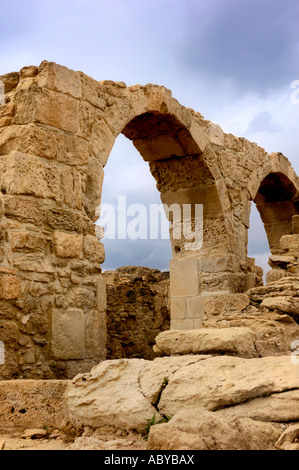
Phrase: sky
{"type": "Point", "coordinates": [232, 60]}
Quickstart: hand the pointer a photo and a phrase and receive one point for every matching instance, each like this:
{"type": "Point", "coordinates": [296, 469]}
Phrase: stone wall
{"type": "Point", "coordinates": [57, 129]}
{"type": "Point", "coordinates": [137, 311]}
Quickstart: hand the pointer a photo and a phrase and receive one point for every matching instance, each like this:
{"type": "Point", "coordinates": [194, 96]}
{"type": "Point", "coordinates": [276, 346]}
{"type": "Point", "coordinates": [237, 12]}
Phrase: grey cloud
{"type": "Point", "coordinates": [254, 43]}
{"type": "Point", "coordinates": [151, 253]}
{"type": "Point", "coordinates": [262, 122]}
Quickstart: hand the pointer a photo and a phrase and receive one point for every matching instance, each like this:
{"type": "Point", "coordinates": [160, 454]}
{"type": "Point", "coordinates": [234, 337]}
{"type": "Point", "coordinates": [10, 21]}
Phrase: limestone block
{"type": "Point", "coordinates": [184, 324]}
{"type": "Point", "coordinates": [238, 340]}
{"type": "Point", "coordinates": [95, 334]}
{"type": "Point", "coordinates": [9, 287]}
{"type": "Point", "coordinates": [290, 242]}
{"type": "Point", "coordinates": [221, 303]}
{"type": "Point", "coordinates": [64, 219]}
{"type": "Point", "coordinates": [86, 119]}
{"type": "Point", "coordinates": [102, 295]}
{"type": "Point", "coordinates": [93, 249]}
{"type": "Point", "coordinates": [26, 241]}
{"type": "Point", "coordinates": [276, 274]}
{"type": "Point", "coordinates": [59, 78]}
{"type": "Point", "coordinates": [195, 307]}
{"type": "Point", "coordinates": [178, 308]}
{"type": "Point", "coordinates": [230, 283]}
{"type": "Point", "coordinates": [218, 265]}
{"type": "Point", "coordinates": [10, 81]}
{"type": "Point", "coordinates": [71, 182]}
{"type": "Point", "coordinates": [184, 277]}
{"type": "Point", "coordinates": [287, 304]}
{"type": "Point", "coordinates": [216, 134]}
{"type": "Point", "coordinates": [93, 189]}
{"type": "Point", "coordinates": [81, 297]}
{"type": "Point", "coordinates": [8, 334]}
{"type": "Point", "coordinates": [102, 141]}
{"type": "Point", "coordinates": [38, 105]}
{"type": "Point", "coordinates": [68, 334]}
{"type": "Point", "coordinates": [72, 150]}
{"type": "Point", "coordinates": [31, 139]}
{"type": "Point", "coordinates": [36, 262]}
{"type": "Point", "coordinates": [29, 175]}
{"type": "Point", "coordinates": [24, 209]}
{"type": "Point", "coordinates": [67, 245]}
{"type": "Point", "coordinates": [281, 260]}
{"type": "Point", "coordinates": [29, 71]}
{"type": "Point", "coordinates": [90, 92]}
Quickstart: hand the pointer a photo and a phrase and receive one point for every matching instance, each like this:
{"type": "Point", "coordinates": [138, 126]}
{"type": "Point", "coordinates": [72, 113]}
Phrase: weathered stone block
{"type": "Point", "coordinates": [68, 334]}
{"type": "Point", "coordinates": [195, 307]}
{"type": "Point", "coordinates": [178, 308]}
{"type": "Point", "coordinates": [102, 295]}
{"type": "Point", "coordinates": [10, 81]}
{"type": "Point", "coordinates": [95, 334]}
{"type": "Point", "coordinates": [31, 139]}
{"type": "Point", "coordinates": [9, 287]}
{"type": "Point", "coordinates": [71, 181]}
{"type": "Point", "coordinates": [64, 219]}
{"type": "Point", "coordinates": [93, 249]}
{"type": "Point", "coordinates": [86, 119]}
{"type": "Point", "coordinates": [59, 78]}
{"type": "Point", "coordinates": [31, 176]}
{"type": "Point", "coordinates": [38, 105]}
{"type": "Point", "coordinates": [24, 209]}
{"type": "Point", "coordinates": [184, 277]}
{"type": "Point", "coordinates": [26, 241]}
{"type": "Point", "coordinates": [102, 142]}
{"type": "Point", "coordinates": [67, 245]}
{"type": "Point", "coordinates": [185, 324]}
{"type": "Point", "coordinates": [222, 303]}
{"type": "Point", "coordinates": [218, 265]}
{"type": "Point", "coordinates": [72, 150]}
{"type": "Point", "coordinates": [81, 297]}
{"type": "Point", "coordinates": [229, 283]}
{"type": "Point", "coordinates": [290, 242]}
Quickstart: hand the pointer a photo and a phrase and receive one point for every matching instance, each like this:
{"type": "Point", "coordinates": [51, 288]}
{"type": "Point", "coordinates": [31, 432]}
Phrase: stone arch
{"type": "Point", "coordinates": [276, 198]}
{"type": "Point", "coordinates": [57, 129]}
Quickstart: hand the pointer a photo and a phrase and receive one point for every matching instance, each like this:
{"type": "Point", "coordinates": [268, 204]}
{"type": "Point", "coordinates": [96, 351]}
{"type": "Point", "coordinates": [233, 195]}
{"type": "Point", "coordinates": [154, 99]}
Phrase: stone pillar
{"type": "Point", "coordinates": [52, 295]}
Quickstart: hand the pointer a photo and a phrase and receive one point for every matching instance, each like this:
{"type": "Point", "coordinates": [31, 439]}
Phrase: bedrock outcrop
{"type": "Point", "coordinates": [203, 395]}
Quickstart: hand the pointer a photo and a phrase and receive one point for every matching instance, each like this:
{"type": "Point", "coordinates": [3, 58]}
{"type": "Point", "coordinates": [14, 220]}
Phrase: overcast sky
{"type": "Point", "coordinates": [231, 60]}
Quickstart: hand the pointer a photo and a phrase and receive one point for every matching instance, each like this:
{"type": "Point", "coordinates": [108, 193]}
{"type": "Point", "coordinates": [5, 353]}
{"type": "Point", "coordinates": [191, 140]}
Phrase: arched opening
{"type": "Point", "coordinates": [258, 246]}
{"type": "Point", "coordinates": [183, 179]}
{"type": "Point", "coordinates": [277, 204]}
{"type": "Point", "coordinates": [136, 268]}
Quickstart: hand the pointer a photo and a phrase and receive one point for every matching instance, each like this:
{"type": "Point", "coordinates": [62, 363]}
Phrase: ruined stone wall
{"type": "Point", "coordinates": [57, 129]}
{"type": "Point", "coordinates": [137, 311]}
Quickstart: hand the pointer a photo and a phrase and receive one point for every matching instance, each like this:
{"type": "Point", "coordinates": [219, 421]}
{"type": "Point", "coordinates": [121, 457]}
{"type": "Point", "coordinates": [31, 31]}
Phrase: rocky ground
{"type": "Point", "coordinates": [231, 385]}
{"type": "Point", "coordinates": [104, 439]}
